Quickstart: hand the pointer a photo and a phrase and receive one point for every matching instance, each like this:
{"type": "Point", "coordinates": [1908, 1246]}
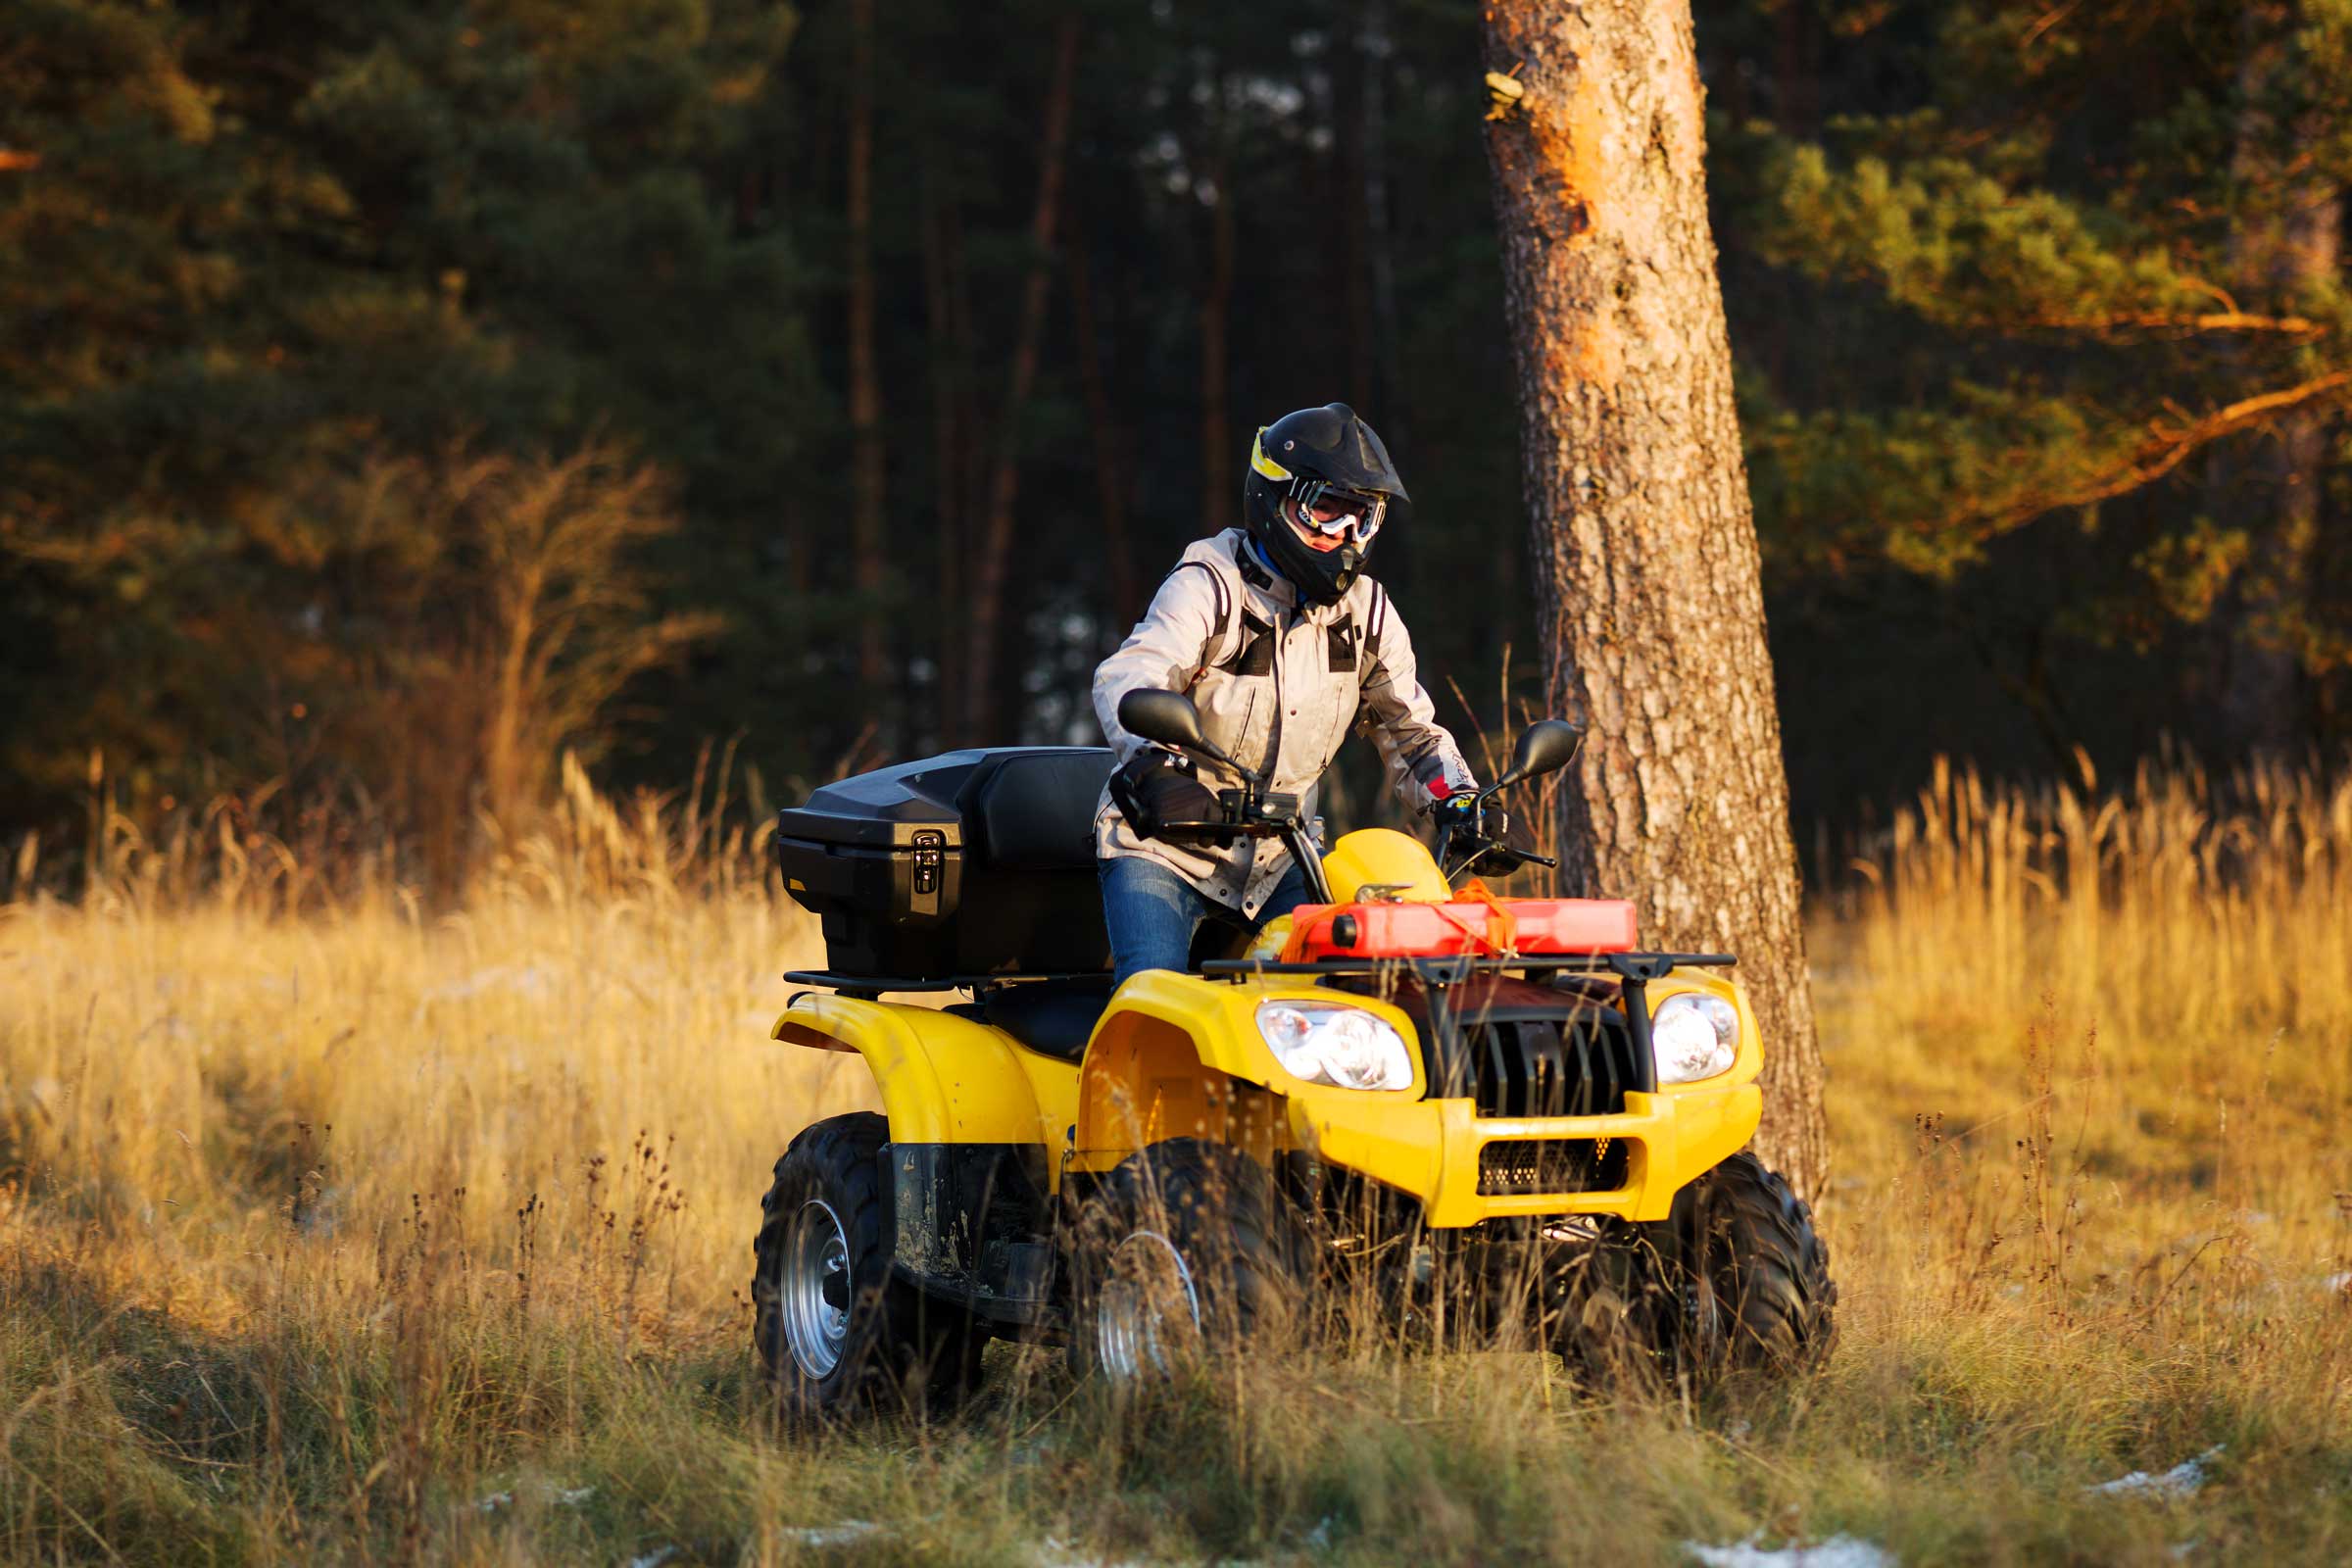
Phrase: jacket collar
{"type": "Point", "coordinates": [1258, 574]}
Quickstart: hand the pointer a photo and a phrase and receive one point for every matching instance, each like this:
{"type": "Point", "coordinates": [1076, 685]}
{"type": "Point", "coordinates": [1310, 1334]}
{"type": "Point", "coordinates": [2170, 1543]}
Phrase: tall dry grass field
{"type": "Point", "coordinates": [335, 1231]}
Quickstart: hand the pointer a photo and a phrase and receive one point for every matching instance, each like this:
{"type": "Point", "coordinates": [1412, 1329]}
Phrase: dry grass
{"type": "Point", "coordinates": [321, 1228]}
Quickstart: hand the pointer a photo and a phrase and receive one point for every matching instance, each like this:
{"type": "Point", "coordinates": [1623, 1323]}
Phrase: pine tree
{"type": "Point", "coordinates": [251, 256]}
{"type": "Point", "coordinates": [2076, 274]}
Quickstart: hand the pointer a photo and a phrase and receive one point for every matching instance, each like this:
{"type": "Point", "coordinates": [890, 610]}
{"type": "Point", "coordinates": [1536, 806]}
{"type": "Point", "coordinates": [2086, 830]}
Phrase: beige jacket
{"type": "Point", "coordinates": [1278, 684]}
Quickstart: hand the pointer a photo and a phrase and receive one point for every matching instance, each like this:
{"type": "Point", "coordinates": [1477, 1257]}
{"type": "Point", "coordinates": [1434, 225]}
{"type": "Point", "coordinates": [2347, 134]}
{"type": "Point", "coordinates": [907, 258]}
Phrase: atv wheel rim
{"type": "Point", "coordinates": [815, 1291]}
{"type": "Point", "coordinates": [1148, 1313]}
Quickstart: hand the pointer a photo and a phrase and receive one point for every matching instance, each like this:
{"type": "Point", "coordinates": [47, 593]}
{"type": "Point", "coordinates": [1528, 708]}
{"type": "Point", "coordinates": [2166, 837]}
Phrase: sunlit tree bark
{"type": "Point", "coordinates": [1644, 548]}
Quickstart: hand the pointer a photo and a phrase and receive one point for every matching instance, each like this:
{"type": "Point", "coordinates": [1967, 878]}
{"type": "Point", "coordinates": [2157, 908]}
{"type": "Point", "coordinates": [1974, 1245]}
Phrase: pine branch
{"type": "Point", "coordinates": [2165, 448]}
{"type": "Point", "coordinates": [2108, 326]}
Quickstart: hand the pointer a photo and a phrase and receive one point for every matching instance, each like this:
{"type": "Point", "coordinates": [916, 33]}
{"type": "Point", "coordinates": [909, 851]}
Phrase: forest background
{"type": "Point", "coordinates": [399, 402]}
{"type": "Point", "coordinates": [397, 396]}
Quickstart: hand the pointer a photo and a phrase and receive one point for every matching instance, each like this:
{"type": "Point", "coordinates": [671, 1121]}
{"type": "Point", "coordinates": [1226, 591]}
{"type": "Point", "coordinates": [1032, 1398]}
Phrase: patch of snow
{"type": "Point", "coordinates": [1838, 1551]}
{"type": "Point", "coordinates": [819, 1536]}
{"type": "Point", "coordinates": [2182, 1481]}
{"type": "Point", "coordinates": [570, 1497]}
{"type": "Point", "coordinates": [1054, 1553]}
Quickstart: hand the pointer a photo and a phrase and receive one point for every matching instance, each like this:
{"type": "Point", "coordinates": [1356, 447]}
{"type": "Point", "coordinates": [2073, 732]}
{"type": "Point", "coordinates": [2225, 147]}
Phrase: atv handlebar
{"type": "Point", "coordinates": [1254, 811]}
{"type": "Point", "coordinates": [1467, 842]}
{"type": "Point", "coordinates": [1257, 811]}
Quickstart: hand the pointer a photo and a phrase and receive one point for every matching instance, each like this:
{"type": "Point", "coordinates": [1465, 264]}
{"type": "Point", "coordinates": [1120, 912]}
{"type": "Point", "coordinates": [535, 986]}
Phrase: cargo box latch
{"type": "Point", "coordinates": [929, 851]}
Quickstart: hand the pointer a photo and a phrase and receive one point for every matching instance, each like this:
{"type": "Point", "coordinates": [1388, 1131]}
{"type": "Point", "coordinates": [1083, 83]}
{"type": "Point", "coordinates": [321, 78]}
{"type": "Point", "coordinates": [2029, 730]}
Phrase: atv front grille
{"type": "Point", "coordinates": [1517, 1165]}
{"type": "Point", "coordinates": [1573, 1065]}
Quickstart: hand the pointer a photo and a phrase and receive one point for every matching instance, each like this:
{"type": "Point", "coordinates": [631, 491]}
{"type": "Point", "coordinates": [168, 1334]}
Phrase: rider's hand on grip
{"type": "Point", "coordinates": [1454, 810]}
{"type": "Point", "coordinates": [1490, 842]}
{"type": "Point", "coordinates": [1154, 790]}
{"type": "Point", "coordinates": [1512, 842]}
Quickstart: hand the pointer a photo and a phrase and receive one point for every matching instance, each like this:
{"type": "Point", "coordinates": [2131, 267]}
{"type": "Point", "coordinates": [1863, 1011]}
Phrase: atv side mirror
{"type": "Point", "coordinates": [1168, 718]}
{"type": "Point", "coordinates": [1545, 747]}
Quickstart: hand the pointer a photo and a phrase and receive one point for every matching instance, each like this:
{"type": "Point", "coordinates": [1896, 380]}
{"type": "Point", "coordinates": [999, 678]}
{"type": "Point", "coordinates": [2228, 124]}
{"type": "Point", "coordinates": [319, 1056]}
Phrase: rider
{"type": "Point", "coordinates": [1282, 642]}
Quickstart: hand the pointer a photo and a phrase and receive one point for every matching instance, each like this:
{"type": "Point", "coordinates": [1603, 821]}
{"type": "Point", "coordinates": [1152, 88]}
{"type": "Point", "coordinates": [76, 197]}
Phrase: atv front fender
{"type": "Point", "coordinates": [1177, 1056]}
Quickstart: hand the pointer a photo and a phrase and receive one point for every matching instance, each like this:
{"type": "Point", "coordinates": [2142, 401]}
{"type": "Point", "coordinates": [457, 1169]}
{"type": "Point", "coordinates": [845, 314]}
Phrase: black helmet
{"type": "Point", "coordinates": [1334, 468]}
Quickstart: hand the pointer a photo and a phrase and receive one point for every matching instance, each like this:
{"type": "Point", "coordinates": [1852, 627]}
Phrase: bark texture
{"type": "Point", "coordinates": [1643, 545]}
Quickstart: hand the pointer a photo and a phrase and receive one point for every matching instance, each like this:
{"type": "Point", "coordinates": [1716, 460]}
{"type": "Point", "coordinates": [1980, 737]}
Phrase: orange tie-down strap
{"type": "Point", "coordinates": [1475, 921]}
{"type": "Point", "coordinates": [1501, 933]}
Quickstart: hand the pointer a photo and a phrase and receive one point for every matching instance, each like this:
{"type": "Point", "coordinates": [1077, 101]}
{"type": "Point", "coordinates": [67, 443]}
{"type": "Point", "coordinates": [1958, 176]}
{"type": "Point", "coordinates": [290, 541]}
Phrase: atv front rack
{"type": "Point", "coordinates": [1637, 968]}
{"type": "Point", "coordinates": [1633, 971]}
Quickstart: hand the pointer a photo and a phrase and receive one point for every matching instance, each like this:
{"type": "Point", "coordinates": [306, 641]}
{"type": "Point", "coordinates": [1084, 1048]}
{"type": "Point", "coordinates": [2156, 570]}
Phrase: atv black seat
{"type": "Point", "coordinates": [1035, 811]}
{"type": "Point", "coordinates": [1053, 1017]}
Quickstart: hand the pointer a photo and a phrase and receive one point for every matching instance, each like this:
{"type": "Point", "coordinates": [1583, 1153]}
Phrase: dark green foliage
{"type": "Point", "coordinates": [2031, 276]}
{"type": "Point", "coordinates": [261, 253]}
{"type": "Point", "coordinates": [2008, 285]}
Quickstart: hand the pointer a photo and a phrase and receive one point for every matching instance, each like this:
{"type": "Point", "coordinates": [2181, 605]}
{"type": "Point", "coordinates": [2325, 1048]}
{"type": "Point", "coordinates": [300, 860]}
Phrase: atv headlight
{"type": "Point", "coordinates": [1693, 1036]}
{"type": "Point", "coordinates": [1331, 1043]}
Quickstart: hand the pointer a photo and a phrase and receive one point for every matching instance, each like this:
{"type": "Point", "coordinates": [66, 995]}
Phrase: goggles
{"type": "Point", "coordinates": [1337, 511]}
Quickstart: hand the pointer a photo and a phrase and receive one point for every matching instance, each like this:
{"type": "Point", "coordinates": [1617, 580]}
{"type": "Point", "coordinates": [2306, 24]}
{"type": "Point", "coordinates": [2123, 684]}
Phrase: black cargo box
{"type": "Point", "coordinates": [971, 863]}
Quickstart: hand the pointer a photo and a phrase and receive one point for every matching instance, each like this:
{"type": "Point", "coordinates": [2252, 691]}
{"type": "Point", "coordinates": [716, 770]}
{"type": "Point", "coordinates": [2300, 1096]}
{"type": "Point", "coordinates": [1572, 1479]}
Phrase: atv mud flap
{"type": "Point", "coordinates": [968, 1217]}
{"type": "Point", "coordinates": [1464, 1169]}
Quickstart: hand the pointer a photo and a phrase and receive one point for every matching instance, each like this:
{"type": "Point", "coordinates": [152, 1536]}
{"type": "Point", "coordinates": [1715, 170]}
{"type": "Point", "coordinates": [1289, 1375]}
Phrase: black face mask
{"type": "Point", "coordinates": [1321, 576]}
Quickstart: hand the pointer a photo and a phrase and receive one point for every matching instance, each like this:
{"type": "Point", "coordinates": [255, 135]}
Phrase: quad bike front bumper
{"type": "Point", "coordinates": [1466, 1169]}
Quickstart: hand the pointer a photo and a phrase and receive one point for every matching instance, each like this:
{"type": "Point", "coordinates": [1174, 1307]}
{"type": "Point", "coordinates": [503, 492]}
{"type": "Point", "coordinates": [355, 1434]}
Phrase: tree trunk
{"type": "Point", "coordinates": [950, 365]}
{"type": "Point", "coordinates": [1387, 331]}
{"type": "Point", "coordinates": [1390, 407]}
{"type": "Point", "coordinates": [946, 452]}
{"type": "Point", "coordinates": [996, 533]}
{"type": "Point", "coordinates": [1348, 265]}
{"type": "Point", "coordinates": [1112, 465]}
{"type": "Point", "coordinates": [865, 391]}
{"type": "Point", "coordinates": [1650, 607]}
{"type": "Point", "coordinates": [1219, 503]}
{"type": "Point", "coordinates": [2286, 244]}
{"type": "Point", "coordinates": [1795, 70]}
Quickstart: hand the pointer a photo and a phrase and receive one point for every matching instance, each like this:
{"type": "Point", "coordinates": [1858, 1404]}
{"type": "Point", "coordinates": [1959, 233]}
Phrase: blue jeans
{"type": "Point", "coordinates": [1154, 914]}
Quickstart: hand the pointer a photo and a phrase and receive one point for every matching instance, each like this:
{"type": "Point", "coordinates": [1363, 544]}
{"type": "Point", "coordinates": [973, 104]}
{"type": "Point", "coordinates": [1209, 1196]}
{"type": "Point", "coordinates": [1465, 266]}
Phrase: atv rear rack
{"type": "Point", "coordinates": [868, 986]}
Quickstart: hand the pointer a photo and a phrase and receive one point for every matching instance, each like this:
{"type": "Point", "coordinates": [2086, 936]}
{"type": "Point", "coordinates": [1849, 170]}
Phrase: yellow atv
{"type": "Point", "coordinates": [1449, 1109]}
